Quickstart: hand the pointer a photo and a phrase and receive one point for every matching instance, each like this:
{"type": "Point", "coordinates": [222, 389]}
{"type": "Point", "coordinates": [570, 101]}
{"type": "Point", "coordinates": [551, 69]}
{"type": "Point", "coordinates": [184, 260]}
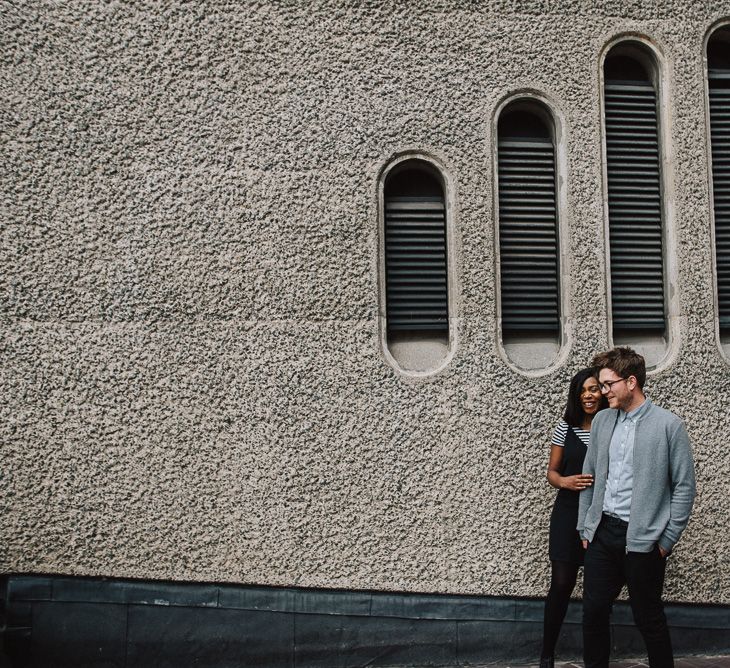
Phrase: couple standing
{"type": "Point", "coordinates": [626, 481]}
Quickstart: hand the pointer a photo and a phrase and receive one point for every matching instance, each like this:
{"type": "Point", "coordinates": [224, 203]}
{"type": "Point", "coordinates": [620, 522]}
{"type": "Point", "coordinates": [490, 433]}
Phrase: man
{"type": "Point", "coordinates": [644, 486]}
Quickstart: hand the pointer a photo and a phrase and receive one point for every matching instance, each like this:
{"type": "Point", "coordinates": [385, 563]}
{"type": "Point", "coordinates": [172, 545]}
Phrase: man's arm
{"type": "Point", "coordinates": [681, 485]}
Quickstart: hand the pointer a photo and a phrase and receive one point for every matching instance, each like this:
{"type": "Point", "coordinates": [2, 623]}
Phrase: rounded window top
{"type": "Point", "coordinates": [722, 33]}
{"type": "Point", "coordinates": [625, 68]}
{"type": "Point", "coordinates": [630, 61]}
{"type": "Point", "coordinates": [526, 119]}
{"type": "Point", "coordinates": [414, 178]}
{"type": "Point", "coordinates": [718, 53]}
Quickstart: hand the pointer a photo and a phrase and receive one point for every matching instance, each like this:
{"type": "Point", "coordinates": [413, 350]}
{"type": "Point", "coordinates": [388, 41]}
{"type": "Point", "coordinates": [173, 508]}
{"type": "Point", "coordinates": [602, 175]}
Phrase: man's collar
{"type": "Point", "coordinates": [636, 413]}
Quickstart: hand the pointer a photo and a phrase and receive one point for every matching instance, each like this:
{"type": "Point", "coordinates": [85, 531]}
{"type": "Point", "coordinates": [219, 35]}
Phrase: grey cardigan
{"type": "Point", "coordinates": [664, 479]}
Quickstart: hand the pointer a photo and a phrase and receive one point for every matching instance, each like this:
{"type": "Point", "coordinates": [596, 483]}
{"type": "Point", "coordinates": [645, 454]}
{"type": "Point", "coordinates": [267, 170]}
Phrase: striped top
{"type": "Point", "coordinates": [562, 429]}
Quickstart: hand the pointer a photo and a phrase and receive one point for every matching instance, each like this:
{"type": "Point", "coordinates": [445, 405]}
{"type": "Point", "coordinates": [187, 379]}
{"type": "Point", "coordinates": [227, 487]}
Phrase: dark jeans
{"type": "Point", "coordinates": [607, 568]}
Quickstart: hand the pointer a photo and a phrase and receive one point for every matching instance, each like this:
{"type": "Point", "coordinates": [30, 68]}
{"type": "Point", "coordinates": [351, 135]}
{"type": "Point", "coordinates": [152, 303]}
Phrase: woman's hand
{"type": "Point", "coordinates": [576, 483]}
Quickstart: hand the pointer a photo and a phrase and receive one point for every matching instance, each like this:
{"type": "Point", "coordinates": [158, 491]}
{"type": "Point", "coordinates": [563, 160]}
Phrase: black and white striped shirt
{"type": "Point", "coordinates": [562, 429]}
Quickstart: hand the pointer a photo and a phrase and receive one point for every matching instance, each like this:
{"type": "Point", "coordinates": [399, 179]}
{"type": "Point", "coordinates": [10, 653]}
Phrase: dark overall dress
{"type": "Point", "coordinates": [565, 543]}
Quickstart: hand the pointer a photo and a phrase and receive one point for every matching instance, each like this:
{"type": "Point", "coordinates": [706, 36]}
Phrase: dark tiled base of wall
{"type": "Point", "coordinates": [56, 621]}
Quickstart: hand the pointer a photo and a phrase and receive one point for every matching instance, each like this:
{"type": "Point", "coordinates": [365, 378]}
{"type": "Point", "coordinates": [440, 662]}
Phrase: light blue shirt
{"type": "Point", "coordinates": [620, 481]}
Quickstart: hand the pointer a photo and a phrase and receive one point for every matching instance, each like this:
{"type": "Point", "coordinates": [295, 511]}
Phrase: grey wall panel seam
{"type": "Point", "coordinates": [126, 634]}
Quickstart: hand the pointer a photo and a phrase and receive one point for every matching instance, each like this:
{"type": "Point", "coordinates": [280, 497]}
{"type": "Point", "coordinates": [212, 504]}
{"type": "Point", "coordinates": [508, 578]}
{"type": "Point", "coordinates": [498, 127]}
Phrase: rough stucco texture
{"type": "Point", "coordinates": [193, 385]}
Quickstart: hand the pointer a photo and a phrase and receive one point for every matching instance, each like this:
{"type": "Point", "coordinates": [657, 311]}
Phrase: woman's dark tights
{"type": "Point", "coordinates": [562, 583]}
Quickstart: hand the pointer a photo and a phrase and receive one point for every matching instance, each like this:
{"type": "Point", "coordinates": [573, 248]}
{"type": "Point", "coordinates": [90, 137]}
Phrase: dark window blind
{"type": "Point", "coordinates": [635, 207]}
{"type": "Point", "coordinates": [415, 264]}
{"type": "Point", "coordinates": [528, 242]}
{"type": "Point", "coordinates": [719, 79]}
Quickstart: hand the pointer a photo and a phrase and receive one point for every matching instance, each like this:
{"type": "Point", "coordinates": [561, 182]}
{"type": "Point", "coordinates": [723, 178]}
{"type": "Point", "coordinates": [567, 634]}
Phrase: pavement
{"type": "Point", "coordinates": [679, 662]}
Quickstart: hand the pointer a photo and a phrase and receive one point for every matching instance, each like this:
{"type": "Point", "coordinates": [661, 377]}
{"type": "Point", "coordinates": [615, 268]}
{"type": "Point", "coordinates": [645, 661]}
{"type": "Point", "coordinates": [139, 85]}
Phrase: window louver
{"type": "Point", "coordinates": [719, 80]}
{"type": "Point", "coordinates": [415, 264]}
{"type": "Point", "coordinates": [528, 243]}
{"type": "Point", "coordinates": [635, 207]}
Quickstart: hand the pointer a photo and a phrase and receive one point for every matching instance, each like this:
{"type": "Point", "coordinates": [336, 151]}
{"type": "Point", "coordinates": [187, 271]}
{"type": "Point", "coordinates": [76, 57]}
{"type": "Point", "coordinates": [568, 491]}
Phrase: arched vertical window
{"type": "Point", "coordinates": [635, 206]}
{"type": "Point", "coordinates": [416, 268]}
{"type": "Point", "coordinates": [718, 65]}
{"type": "Point", "coordinates": [528, 235]}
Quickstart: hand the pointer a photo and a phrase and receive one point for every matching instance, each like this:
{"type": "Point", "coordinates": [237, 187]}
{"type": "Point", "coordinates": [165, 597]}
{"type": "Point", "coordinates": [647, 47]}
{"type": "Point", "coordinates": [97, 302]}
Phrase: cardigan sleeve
{"type": "Point", "coordinates": [682, 486]}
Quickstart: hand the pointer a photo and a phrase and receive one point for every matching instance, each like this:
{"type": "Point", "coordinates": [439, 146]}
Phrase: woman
{"type": "Point", "coordinates": [567, 452]}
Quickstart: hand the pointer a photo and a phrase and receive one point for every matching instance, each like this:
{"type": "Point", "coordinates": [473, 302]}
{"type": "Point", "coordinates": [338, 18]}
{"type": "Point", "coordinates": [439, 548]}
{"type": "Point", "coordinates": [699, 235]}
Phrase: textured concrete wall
{"type": "Point", "coordinates": [192, 380]}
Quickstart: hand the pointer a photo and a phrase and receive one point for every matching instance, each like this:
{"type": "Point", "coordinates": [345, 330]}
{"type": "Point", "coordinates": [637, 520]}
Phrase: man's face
{"type": "Point", "coordinates": [621, 393]}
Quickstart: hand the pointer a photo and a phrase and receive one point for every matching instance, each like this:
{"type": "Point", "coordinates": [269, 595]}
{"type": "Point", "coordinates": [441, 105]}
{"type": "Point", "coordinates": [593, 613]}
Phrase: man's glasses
{"type": "Point", "coordinates": [606, 387]}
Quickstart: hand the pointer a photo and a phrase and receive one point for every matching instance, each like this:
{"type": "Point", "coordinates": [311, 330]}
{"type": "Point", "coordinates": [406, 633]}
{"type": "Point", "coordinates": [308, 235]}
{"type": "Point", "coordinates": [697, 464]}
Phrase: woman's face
{"type": "Point", "coordinates": [590, 396]}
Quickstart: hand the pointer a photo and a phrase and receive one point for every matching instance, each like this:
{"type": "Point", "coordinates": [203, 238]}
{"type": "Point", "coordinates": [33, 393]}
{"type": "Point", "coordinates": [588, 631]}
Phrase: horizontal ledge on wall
{"type": "Point", "coordinates": [30, 588]}
{"type": "Point", "coordinates": [78, 621]}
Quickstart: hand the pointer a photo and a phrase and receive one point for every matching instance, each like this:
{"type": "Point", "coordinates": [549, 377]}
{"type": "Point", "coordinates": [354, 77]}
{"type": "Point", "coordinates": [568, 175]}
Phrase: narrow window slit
{"type": "Point", "coordinates": [635, 206]}
{"type": "Point", "coordinates": [416, 266]}
{"type": "Point", "coordinates": [528, 236]}
{"type": "Point", "coordinates": [718, 63]}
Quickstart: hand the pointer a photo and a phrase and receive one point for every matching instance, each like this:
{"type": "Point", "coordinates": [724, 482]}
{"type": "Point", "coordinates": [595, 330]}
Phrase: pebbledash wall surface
{"type": "Point", "coordinates": [196, 383]}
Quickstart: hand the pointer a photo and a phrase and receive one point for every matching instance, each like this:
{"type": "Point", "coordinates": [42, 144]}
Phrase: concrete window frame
{"type": "Point", "coordinates": [537, 357]}
{"type": "Point", "coordinates": [424, 356]}
{"type": "Point", "coordinates": [659, 355]}
{"type": "Point", "coordinates": [723, 343]}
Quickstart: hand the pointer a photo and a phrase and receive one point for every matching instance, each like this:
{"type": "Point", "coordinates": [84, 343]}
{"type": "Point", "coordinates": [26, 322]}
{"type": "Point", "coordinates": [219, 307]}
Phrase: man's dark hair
{"type": "Point", "coordinates": [625, 362]}
{"type": "Point", "coordinates": [574, 412]}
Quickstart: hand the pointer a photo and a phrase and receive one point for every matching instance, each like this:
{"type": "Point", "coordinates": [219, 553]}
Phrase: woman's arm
{"type": "Point", "coordinates": [575, 483]}
{"type": "Point", "coordinates": [553, 469]}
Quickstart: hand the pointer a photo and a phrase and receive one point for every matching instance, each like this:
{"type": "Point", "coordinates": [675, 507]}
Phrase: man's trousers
{"type": "Point", "coordinates": [608, 566]}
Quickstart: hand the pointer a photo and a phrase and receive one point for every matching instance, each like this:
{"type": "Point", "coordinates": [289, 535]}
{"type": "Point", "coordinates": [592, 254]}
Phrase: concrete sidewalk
{"type": "Point", "coordinates": [679, 662]}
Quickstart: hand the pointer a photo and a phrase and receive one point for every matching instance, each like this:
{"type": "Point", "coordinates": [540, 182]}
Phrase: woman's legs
{"type": "Point", "coordinates": [562, 583]}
